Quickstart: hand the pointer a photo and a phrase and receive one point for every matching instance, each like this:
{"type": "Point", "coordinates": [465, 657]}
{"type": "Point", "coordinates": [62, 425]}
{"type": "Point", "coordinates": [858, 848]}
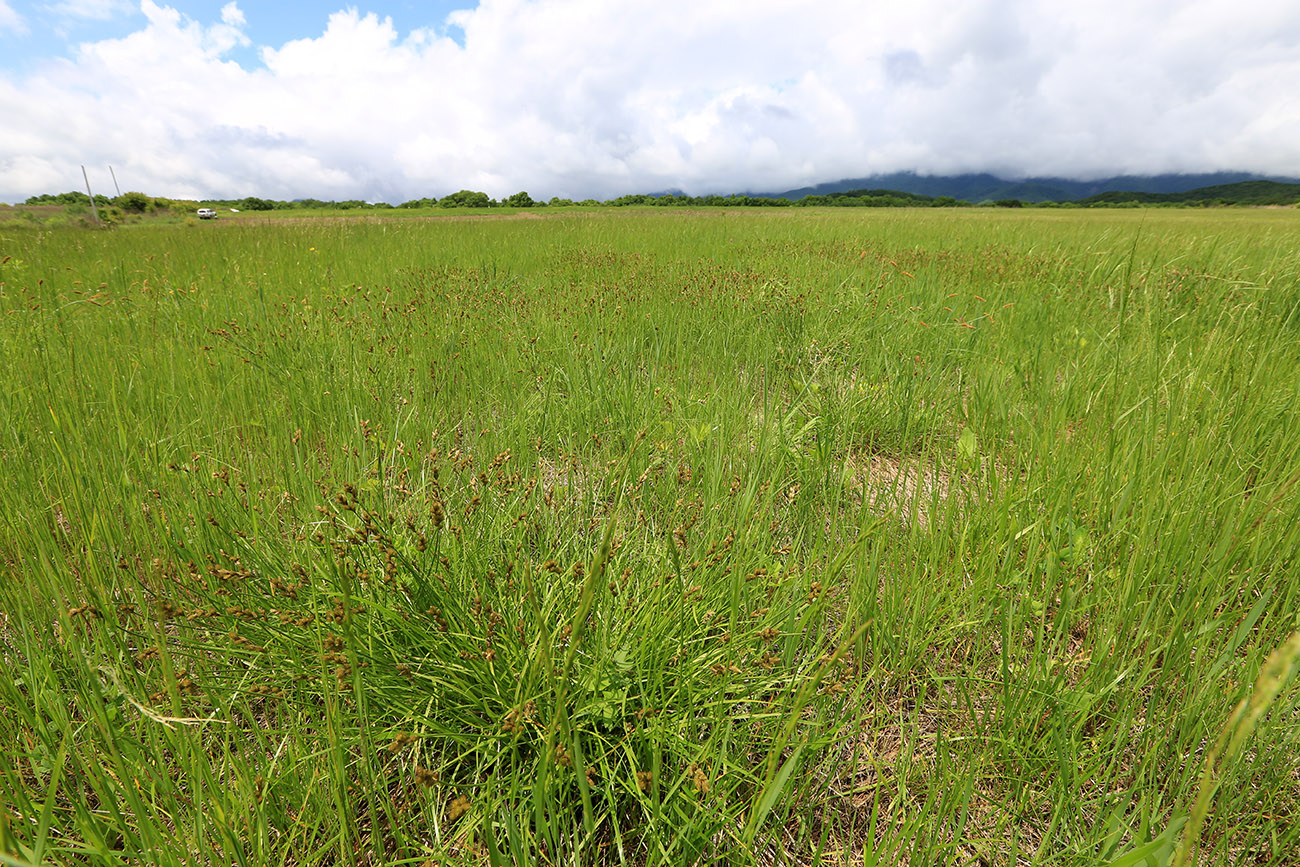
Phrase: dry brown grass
{"type": "Point", "coordinates": [39, 211]}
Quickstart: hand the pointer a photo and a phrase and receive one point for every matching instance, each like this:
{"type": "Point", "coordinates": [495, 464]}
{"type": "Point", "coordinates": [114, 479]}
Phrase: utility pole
{"type": "Point", "coordinates": [93, 209]}
{"type": "Point", "coordinates": [115, 186]}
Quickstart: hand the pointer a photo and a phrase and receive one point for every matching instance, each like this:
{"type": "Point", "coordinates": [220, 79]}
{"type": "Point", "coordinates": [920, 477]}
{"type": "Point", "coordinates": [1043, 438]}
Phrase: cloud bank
{"type": "Point", "coordinates": [585, 98]}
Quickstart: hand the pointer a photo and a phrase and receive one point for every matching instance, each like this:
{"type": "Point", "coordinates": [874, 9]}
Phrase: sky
{"type": "Point", "coordinates": [392, 100]}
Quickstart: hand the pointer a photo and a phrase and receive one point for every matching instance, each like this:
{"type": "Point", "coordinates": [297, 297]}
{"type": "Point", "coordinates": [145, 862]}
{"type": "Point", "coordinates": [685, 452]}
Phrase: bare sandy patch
{"type": "Point", "coordinates": [912, 488]}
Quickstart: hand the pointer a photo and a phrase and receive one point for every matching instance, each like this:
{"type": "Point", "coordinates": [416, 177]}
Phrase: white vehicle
{"type": "Point", "coordinates": [207, 214]}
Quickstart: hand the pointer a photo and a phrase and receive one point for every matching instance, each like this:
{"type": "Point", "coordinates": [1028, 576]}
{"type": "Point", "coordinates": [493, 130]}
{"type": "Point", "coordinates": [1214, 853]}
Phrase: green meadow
{"type": "Point", "coordinates": [899, 537]}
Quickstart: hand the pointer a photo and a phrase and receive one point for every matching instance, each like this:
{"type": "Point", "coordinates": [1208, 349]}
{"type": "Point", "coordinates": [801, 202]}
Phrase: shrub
{"type": "Point", "coordinates": [134, 203]}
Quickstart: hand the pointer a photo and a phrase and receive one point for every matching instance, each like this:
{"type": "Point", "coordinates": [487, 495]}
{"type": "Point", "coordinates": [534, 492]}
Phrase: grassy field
{"type": "Point", "coordinates": [884, 537]}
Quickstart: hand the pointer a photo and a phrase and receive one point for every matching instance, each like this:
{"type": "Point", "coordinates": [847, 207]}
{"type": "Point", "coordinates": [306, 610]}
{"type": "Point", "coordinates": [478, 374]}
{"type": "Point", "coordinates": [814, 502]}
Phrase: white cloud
{"type": "Point", "coordinates": [94, 10]}
{"type": "Point", "coordinates": [10, 20]}
{"type": "Point", "coordinates": [231, 14]}
{"type": "Point", "coordinates": [584, 97]}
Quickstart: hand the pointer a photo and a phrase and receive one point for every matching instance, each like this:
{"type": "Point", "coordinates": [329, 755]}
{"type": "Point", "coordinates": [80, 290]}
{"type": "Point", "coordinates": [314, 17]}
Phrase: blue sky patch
{"type": "Point", "coordinates": [48, 30]}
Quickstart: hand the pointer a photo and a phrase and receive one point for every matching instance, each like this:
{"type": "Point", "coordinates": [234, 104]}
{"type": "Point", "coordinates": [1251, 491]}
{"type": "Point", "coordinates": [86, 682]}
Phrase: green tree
{"type": "Point", "coordinates": [520, 200]}
{"type": "Point", "coordinates": [466, 199]}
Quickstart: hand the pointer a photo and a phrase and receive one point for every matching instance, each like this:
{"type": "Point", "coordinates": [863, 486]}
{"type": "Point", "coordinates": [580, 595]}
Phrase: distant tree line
{"type": "Point", "coordinates": [67, 199]}
{"type": "Point", "coordinates": [113, 210]}
{"type": "Point", "coordinates": [1254, 193]}
{"type": "Point", "coordinates": [140, 203]}
{"type": "Point", "coordinates": [132, 202]}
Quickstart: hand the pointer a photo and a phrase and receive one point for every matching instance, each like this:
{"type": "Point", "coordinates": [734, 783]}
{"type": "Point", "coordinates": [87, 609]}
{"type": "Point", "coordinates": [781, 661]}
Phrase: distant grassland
{"type": "Point", "coordinates": [898, 537]}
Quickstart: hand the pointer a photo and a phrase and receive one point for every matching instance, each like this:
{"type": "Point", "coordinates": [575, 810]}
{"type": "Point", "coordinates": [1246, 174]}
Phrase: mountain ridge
{"type": "Point", "coordinates": [984, 187]}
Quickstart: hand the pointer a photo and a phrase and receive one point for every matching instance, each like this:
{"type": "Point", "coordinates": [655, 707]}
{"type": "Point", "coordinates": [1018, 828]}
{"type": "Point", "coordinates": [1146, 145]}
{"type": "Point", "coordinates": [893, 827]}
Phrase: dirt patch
{"type": "Point", "coordinates": [911, 488]}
